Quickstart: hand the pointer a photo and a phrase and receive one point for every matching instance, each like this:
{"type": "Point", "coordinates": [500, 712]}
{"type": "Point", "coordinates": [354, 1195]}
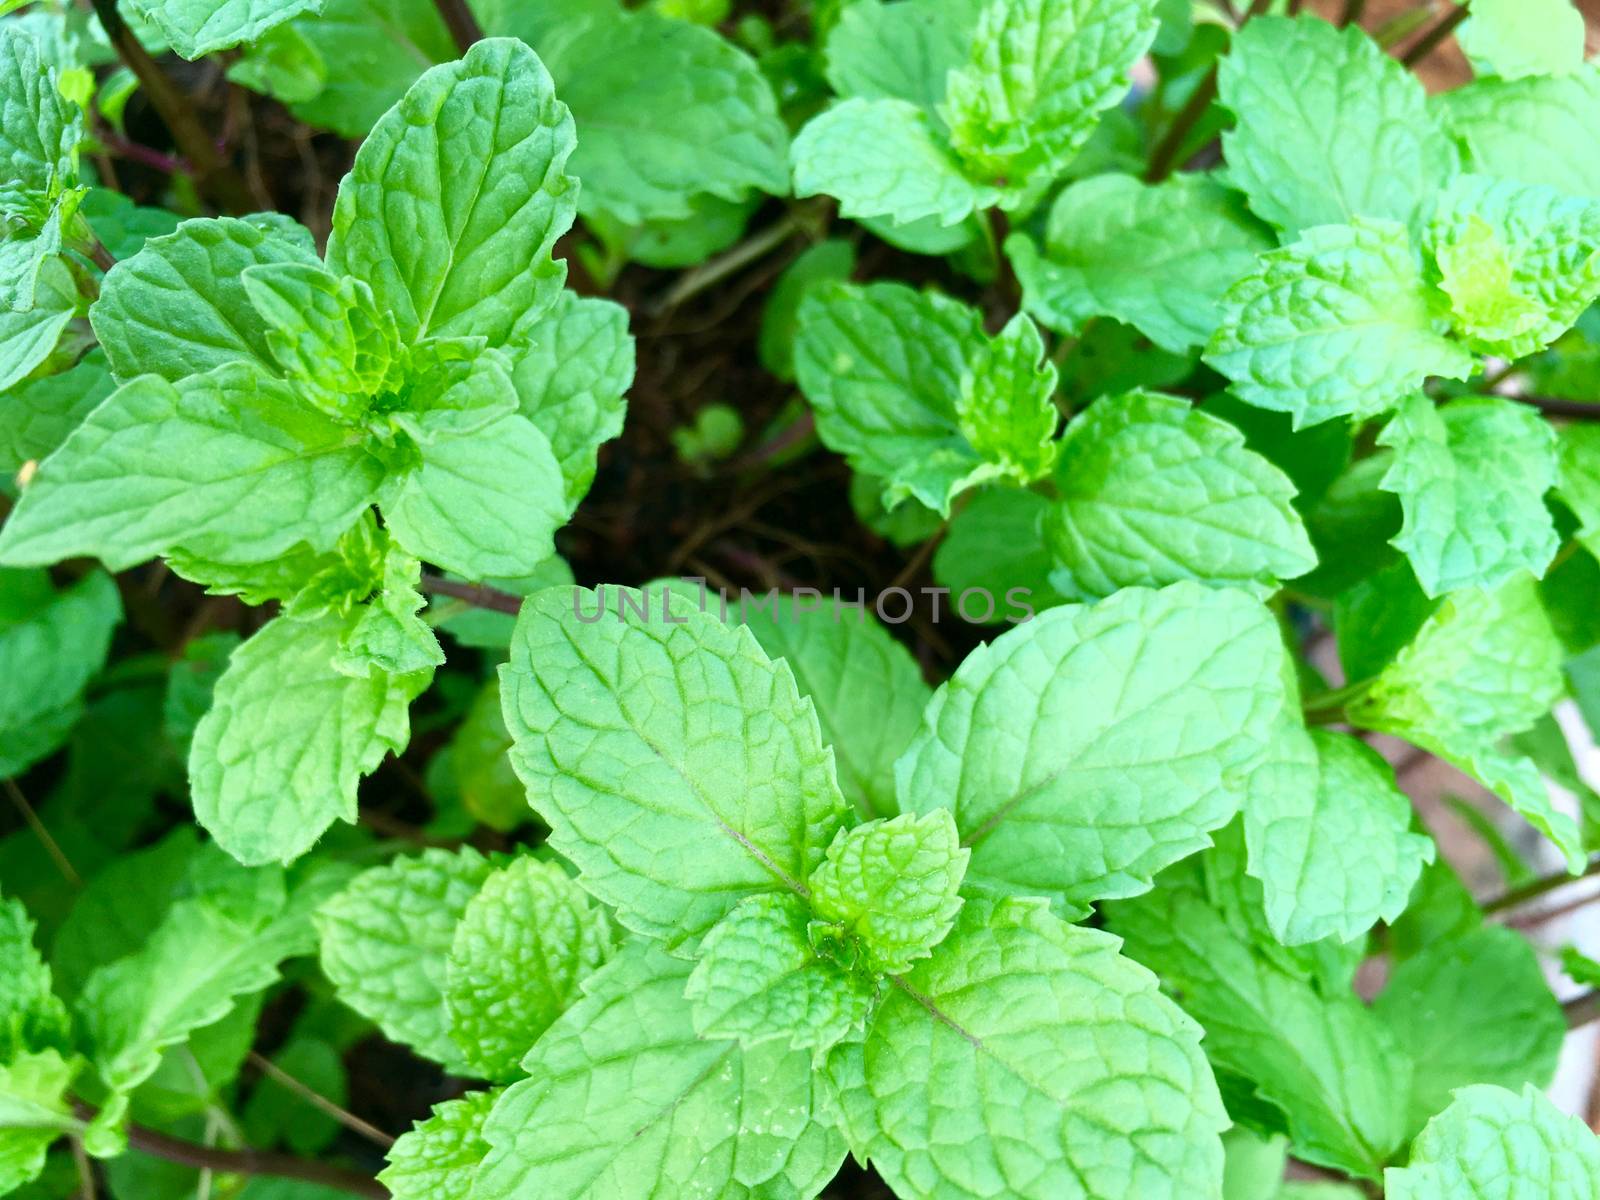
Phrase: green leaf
{"type": "Point", "coordinates": [27, 338]}
{"type": "Point", "coordinates": [455, 239]}
{"type": "Point", "coordinates": [884, 158]}
{"type": "Point", "coordinates": [995, 545]}
{"type": "Point", "coordinates": [1325, 118]}
{"type": "Point", "coordinates": [1326, 1069]}
{"type": "Point", "coordinates": [1341, 323]}
{"type": "Point", "coordinates": [1578, 479]}
{"type": "Point", "coordinates": [1158, 257]}
{"type": "Point", "coordinates": [34, 1112]}
{"type": "Point", "coordinates": [890, 885]}
{"type": "Point", "coordinates": [1518, 38]}
{"type": "Point", "coordinates": [31, 1016]}
{"type": "Point", "coordinates": [669, 111]}
{"type": "Point", "coordinates": [1119, 734]}
{"type": "Point", "coordinates": [179, 307]}
{"type": "Point", "coordinates": [523, 947]}
{"type": "Point", "coordinates": [1006, 408]}
{"type": "Point", "coordinates": [760, 977]}
{"type": "Point", "coordinates": [277, 759]}
{"type": "Point", "coordinates": [1536, 130]}
{"type": "Point", "coordinates": [624, 1101]}
{"type": "Point", "coordinates": [483, 505]}
{"type": "Point", "coordinates": [122, 226]}
{"type": "Point", "coordinates": [570, 379]}
{"type": "Point", "coordinates": [1471, 477]}
{"type": "Point", "coordinates": [52, 643]}
{"type": "Point", "coordinates": [195, 28]}
{"type": "Point", "coordinates": [388, 636]}
{"type": "Point", "coordinates": [900, 51]}
{"type": "Point", "coordinates": [675, 787]}
{"type": "Point", "coordinates": [1037, 77]}
{"type": "Point", "coordinates": [1494, 1144]}
{"type": "Point", "coordinates": [1472, 1010]}
{"type": "Point", "coordinates": [1330, 840]}
{"type": "Point", "coordinates": [867, 689]}
{"type": "Point", "coordinates": [39, 140]}
{"type": "Point", "coordinates": [1023, 1018]}
{"type": "Point", "coordinates": [439, 1158]}
{"type": "Point", "coordinates": [490, 790]}
{"type": "Point", "coordinates": [829, 261]}
{"type": "Point", "coordinates": [1152, 491]}
{"type": "Point", "coordinates": [386, 942]}
{"type": "Point", "coordinates": [37, 415]}
{"type": "Point", "coordinates": [229, 465]}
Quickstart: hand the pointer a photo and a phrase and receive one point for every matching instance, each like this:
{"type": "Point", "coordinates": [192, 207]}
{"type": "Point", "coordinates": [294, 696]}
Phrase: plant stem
{"type": "Point", "coordinates": [1578, 410]}
{"type": "Point", "coordinates": [1582, 1009]}
{"type": "Point", "coordinates": [458, 19]}
{"type": "Point", "coordinates": [39, 831]}
{"type": "Point", "coordinates": [474, 594]}
{"type": "Point", "coordinates": [1166, 153]}
{"type": "Point", "coordinates": [713, 271]}
{"type": "Point", "coordinates": [1353, 12]}
{"type": "Point", "coordinates": [1534, 888]}
{"type": "Point", "coordinates": [216, 179]}
{"type": "Point", "coordinates": [317, 1100]}
{"type": "Point", "coordinates": [1428, 42]}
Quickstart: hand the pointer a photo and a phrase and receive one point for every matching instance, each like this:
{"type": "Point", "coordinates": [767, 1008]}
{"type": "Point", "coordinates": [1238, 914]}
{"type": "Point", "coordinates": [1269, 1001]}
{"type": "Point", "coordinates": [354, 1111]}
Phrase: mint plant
{"type": "Point", "coordinates": [820, 599]}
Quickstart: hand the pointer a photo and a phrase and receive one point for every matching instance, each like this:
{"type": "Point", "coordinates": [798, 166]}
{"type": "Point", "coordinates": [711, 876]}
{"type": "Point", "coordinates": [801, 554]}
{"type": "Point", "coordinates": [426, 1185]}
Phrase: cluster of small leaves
{"type": "Point", "coordinates": [1085, 919]}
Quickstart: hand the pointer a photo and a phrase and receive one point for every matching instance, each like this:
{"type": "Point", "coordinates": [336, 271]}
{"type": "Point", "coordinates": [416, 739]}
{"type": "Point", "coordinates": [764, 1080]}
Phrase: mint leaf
{"type": "Point", "coordinates": [34, 1113]}
{"type": "Point", "coordinates": [38, 414]}
{"type": "Point", "coordinates": [995, 545]}
{"type": "Point", "coordinates": [1037, 77]}
{"type": "Point", "coordinates": [1158, 257]}
{"type": "Point", "coordinates": [386, 942]}
{"type": "Point", "coordinates": [388, 635]}
{"type": "Point", "coordinates": [1536, 130]}
{"type": "Point", "coordinates": [1471, 477]}
{"type": "Point", "coordinates": [523, 947]}
{"type": "Point", "coordinates": [1152, 491]}
{"type": "Point", "coordinates": [668, 111]}
{"type": "Point", "coordinates": [195, 28]}
{"type": "Point", "coordinates": [277, 759]}
{"type": "Point", "coordinates": [52, 643]}
{"type": "Point", "coordinates": [659, 747]}
{"type": "Point", "coordinates": [1006, 409]}
{"type": "Point", "coordinates": [884, 158]}
{"type": "Point", "coordinates": [1578, 481]}
{"type": "Point", "coordinates": [438, 1159]}
{"type": "Point", "coordinates": [1472, 1010]}
{"type": "Point", "coordinates": [1511, 41]}
{"type": "Point", "coordinates": [761, 977]}
{"type": "Point", "coordinates": [31, 1016]}
{"type": "Point", "coordinates": [621, 1089]}
{"type": "Point", "coordinates": [890, 886]}
{"type": "Point", "coordinates": [229, 464]}
{"type": "Point", "coordinates": [1340, 323]}
{"type": "Point", "coordinates": [867, 689]}
{"type": "Point", "coordinates": [474, 257]}
{"type": "Point", "coordinates": [27, 338]}
{"type": "Point", "coordinates": [1157, 705]}
{"type": "Point", "coordinates": [1490, 1139]}
{"type": "Point", "coordinates": [957, 1049]}
{"type": "Point", "coordinates": [1330, 840]}
{"type": "Point", "coordinates": [179, 307]}
{"type": "Point", "coordinates": [1314, 105]}
{"type": "Point", "coordinates": [900, 51]}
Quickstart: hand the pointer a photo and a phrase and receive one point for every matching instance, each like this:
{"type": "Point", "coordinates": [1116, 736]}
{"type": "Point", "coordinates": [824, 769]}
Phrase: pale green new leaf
{"type": "Point", "coordinates": [52, 643]}
{"type": "Point", "coordinates": [277, 759]}
{"type": "Point", "coordinates": [439, 1158]}
{"type": "Point", "coordinates": [40, 129]}
{"type": "Point", "coordinates": [678, 767]}
{"type": "Point", "coordinates": [1022, 1022]}
{"type": "Point", "coordinates": [1578, 481]}
{"type": "Point", "coordinates": [1151, 491]}
{"type": "Point", "coordinates": [1006, 407]}
{"type": "Point", "coordinates": [1330, 128]}
{"type": "Point", "coordinates": [668, 111]}
{"type": "Point", "coordinates": [483, 505]}
{"type": "Point", "coordinates": [1340, 323]}
{"type": "Point", "coordinates": [386, 941]}
{"type": "Point", "coordinates": [1330, 839]}
{"type": "Point", "coordinates": [1471, 477]}
{"type": "Point", "coordinates": [1536, 130]}
{"type": "Point", "coordinates": [37, 415]}
{"type": "Point", "coordinates": [1514, 38]}
{"type": "Point", "coordinates": [195, 28]}
{"type": "Point", "coordinates": [868, 691]}
{"type": "Point", "coordinates": [35, 1111]}
{"type": "Point", "coordinates": [179, 306]}
{"type": "Point", "coordinates": [570, 378]}
{"type": "Point", "coordinates": [1088, 748]}
{"type": "Point", "coordinates": [890, 886]}
{"type": "Point", "coordinates": [1474, 1009]}
{"type": "Point", "coordinates": [458, 195]}
{"type": "Point", "coordinates": [1494, 1144]}
{"type": "Point", "coordinates": [884, 158]}
{"type": "Point", "coordinates": [1158, 257]}
{"type": "Point", "coordinates": [1037, 77]}
{"type": "Point", "coordinates": [27, 338]}
{"type": "Point", "coordinates": [625, 1102]}
{"type": "Point", "coordinates": [902, 50]}
{"type": "Point", "coordinates": [388, 636]}
{"type": "Point", "coordinates": [230, 465]}
{"type": "Point", "coordinates": [31, 1016]}
{"type": "Point", "coordinates": [523, 947]}
{"type": "Point", "coordinates": [761, 978]}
